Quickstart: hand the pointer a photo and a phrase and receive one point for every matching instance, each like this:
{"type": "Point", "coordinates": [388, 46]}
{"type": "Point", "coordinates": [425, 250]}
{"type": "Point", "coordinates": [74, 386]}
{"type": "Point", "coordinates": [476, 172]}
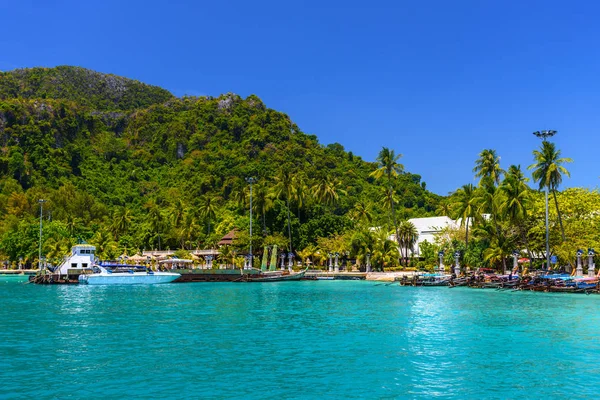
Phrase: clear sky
{"type": "Point", "coordinates": [437, 81]}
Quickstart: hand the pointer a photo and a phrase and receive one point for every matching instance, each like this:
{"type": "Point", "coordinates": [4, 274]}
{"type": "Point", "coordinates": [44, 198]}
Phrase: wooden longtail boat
{"type": "Point", "coordinates": [276, 276]}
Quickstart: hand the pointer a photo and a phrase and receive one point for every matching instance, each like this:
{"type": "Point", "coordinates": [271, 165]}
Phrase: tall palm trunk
{"type": "Point", "coordinates": [467, 233]}
{"type": "Point", "coordinates": [394, 218]}
{"type": "Point", "coordinates": [562, 229]}
{"type": "Point", "coordinates": [289, 223]}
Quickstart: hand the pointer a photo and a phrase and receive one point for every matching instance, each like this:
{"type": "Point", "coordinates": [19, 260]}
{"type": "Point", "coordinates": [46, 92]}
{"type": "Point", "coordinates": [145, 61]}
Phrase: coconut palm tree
{"type": "Point", "coordinates": [283, 188]}
{"type": "Point", "coordinates": [516, 199]}
{"type": "Point", "coordinates": [548, 171]}
{"type": "Point", "coordinates": [361, 212]}
{"type": "Point", "coordinates": [327, 190]}
{"type": "Point", "coordinates": [385, 253]}
{"type": "Point", "coordinates": [389, 168]}
{"type": "Point", "coordinates": [408, 238]}
{"type": "Point", "coordinates": [156, 220]}
{"type": "Point", "coordinates": [465, 205]}
{"type": "Point", "coordinates": [122, 218]}
{"type": "Point", "coordinates": [307, 253]}
{"type": "Point", "coordinates": [106, 247]}
{"type": "Point", "coordinates": [299, 191]}
{"type": "Point", "coordinates": [487, 167]}
{"type": "Point", "coordinates": [177, 212]}
{"type": "Point", "coordinates": [262, 202]}
{"type": "Point", "coordinates": [362, 243]}
{"type": "Point", "coordinates": [208, 208]}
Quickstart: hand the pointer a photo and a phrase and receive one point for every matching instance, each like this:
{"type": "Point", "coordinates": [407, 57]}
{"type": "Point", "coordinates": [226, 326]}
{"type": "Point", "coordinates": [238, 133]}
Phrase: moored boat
{"type": "Point", "coordinates": [275, 276]}
{"type": "Point", "coordinates": [103, 276]}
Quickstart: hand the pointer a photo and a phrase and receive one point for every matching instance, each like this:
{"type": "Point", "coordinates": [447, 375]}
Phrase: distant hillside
{"type": "Point", "coordinates": [83, 86]}
{"type": "Point", "coordinates": [124, 169]}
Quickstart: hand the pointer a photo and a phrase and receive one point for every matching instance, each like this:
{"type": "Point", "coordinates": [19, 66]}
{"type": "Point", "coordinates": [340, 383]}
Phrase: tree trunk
{"type": "Point", "coordinates": [562, 229]}
{"type": "Point", "coordinates": [467, 235]}
{"type": "Point", "coordinates": [394, 219]}
{"type": "Point", "coordinates": [289, 223]}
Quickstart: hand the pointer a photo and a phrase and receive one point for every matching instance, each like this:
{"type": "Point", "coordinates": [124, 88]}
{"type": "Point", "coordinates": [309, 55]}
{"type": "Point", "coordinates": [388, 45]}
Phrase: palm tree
{"type": "Point", "coordinates": [408, 238]}
{"type": "Point", "coordinates": [516, 199]}
{"type": "Point", "coordinates": [121, 221]}
{"type": "Point", "coordinates": [500, 248]}
{"type": "Point", "coordinates": [298, 192]}
{"type": "Point", "coordinates": [283, 188]}
{"type": "Point", "coordinates": [307, 253]}
{"type": "Point", "coordinates": [327, 190]}
{"type": "Point", "coordinates": [208, 208]}
{"type": "Point", "coordinates": [389, 168]}
{"type": "Point", "coordinates": [156, 220]}
{"type": "Point", "coordinates": [177, 212]}
{"type": "Point", "coordinates": [361, 212]}
{"type": "Point", "coordinates": [548, 171]}
{"type": "Point", "coordinates": [106, 247]}
{"type": "Point", "coordinates": [385, 253]}
{"type": "Point", "coordinates": [262, 202]}
{"type": "Point", "coordinates": [487, 167]}
{"type": "Point", "coordinates": [466, 207]}
{"type": "Point", "coordinates": [488, 199]}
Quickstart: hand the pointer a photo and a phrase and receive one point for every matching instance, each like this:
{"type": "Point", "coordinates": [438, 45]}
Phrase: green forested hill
{"type": "Point", "coordinates": [128, 166]}
{"type": "Point", "coordinates": [83, 86]}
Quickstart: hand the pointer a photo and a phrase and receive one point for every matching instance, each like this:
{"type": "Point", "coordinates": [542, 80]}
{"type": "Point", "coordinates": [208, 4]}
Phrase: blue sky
{"type": "Point", "coordinates": [437, 81]}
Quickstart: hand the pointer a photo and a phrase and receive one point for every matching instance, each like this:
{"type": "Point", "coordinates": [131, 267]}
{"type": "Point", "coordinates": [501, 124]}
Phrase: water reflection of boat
{"type": "Point", "coordinates": [103, 276]}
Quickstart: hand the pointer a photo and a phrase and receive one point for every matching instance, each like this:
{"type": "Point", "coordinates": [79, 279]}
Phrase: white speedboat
{"type": "Point", "coordinates": [103, 276]}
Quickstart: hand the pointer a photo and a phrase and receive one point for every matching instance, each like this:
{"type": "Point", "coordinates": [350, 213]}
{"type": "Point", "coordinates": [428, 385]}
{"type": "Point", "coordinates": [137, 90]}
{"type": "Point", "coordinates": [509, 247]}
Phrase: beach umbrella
{"type": "Point", "coordinates": [523, 260]}
{"type": "Point", "coordinates": [137, 257]}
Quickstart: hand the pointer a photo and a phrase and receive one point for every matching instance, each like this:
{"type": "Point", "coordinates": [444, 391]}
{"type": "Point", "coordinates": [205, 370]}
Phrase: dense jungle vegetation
{"type": "Point", "coordinates": [130, 167]}
{"type": "Point", "coordinates": [127, 166]}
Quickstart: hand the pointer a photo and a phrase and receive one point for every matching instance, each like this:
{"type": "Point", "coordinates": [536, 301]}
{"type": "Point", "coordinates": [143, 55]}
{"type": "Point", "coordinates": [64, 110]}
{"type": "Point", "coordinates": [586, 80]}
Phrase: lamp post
{"type": "Point", "coordinates": [250, 181]}
{"type": "Point", "coordinates": [457, 263]}
{"type": "Point", "coordinates": [282, 258]}
{"type": "Point", "coordinates": [368, 268]}
{"type": "Point", "coordinates": [441, 266]}
{"type": "Point", "coordinates": [544, 135]}
{"type": "Point", "coordinates": [591, 265]}
{"type": "Point", "coordinates": [579, 270]}
{"type": "Point", "coordinates": [41, 201]}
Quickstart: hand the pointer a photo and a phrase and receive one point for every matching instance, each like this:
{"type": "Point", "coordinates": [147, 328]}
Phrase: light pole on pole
{"type": "Point", "coordinates": [250, 181]}
{"type": "Point", "coordinates": [41, 201]}
{"type": "Point", "coordinates": [544, 135]}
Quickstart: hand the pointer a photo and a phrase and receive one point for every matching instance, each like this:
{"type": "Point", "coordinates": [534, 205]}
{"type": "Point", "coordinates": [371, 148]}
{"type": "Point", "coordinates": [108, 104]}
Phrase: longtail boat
{"type": "Point", "coordinates": [275, 276]}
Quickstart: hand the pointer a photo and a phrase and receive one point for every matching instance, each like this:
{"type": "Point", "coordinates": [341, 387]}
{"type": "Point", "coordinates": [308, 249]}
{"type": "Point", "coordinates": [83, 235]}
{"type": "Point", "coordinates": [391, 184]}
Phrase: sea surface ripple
{"type": "Point", "coordinates": [298, 340]}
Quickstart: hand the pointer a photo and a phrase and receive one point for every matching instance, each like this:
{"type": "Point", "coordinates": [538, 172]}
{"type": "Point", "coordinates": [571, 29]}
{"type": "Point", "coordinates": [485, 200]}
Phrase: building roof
{"type": "Point", "coordinates": [431, 224]}
{"type": "Point", "coordinates": [228, 239]}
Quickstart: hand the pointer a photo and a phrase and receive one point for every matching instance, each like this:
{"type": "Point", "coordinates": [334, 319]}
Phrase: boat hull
{"type": "Point", "coordinates": [277, 277]}
{"type": "Point", "coordinates": [128, 279]}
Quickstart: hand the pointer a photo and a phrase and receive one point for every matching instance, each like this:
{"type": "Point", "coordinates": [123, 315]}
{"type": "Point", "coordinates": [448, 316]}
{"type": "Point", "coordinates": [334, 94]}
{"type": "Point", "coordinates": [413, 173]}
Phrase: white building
{"type": "Point", "coordinates": [428, 228]}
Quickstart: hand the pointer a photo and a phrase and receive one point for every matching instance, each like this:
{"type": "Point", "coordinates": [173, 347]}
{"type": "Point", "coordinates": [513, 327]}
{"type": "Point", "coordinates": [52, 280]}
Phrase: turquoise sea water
{"type": "Point", "coordinates": [295, 340]}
